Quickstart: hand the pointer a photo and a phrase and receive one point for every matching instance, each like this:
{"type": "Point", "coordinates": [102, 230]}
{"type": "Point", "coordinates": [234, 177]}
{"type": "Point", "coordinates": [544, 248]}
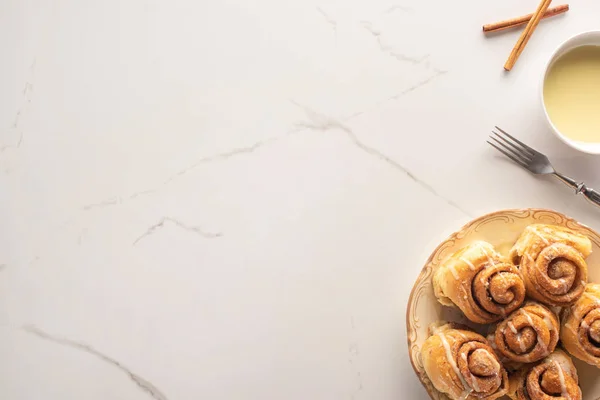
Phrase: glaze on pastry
{"type": "Point", "coordinates": [461, 364]}
{"type": "Point", "coordinates": [552, 262]}
{"type": "Point", "coordinates": [482, 284]}
{"type": "Point", "coordinates": [528, 335]}
{"type": "Point", "coordinates": [580, 331]}
{"type": "Point", "coordinates": [554, 378]}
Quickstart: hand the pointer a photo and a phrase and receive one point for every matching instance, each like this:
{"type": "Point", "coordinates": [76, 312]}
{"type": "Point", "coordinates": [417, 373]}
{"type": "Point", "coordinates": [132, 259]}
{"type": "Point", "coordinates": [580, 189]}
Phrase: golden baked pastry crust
{"type": "Point", "coordinates": [528, 335]}
{"type": "Point", "coordinates": [580, 328]}
{"type": "Point", "coordinates": [462, 364]}
{"type": "Point", "coordinates": [480, 282]}
{"type": "Point", "coordinates": [555, 377]}
{"type": "Point", "coordinates": [552, 262]}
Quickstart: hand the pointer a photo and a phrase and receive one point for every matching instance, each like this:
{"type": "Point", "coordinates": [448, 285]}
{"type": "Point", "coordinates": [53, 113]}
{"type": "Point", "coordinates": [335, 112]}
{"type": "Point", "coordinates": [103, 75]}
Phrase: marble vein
{"type": "Point", "coordinates": [103, 203]}
{"type": "Point", "coordinates": [321, 122]}
{"type": "Point", "coordinates": [397, 7]}
{"type": "Point", "coordinates": [204, 160]}
{"type": "Point", "coordinates": [195, 229]}
{"type": "Point", "coordinates": [27, 96]}
{"type": "Point", "coordinates": [117, 200]}
{"type": "Point", "coordinates": [328, 19]}
{"type": "Point", "coordinates": [142, 383]}
{"type": "Point", "coordinates": [412, 88]}
{"type": "Point", "coordinates": [354, 354]}
{"type": "Point", "coordinates": [261, 143]}
{"type": "Point", "coordinates": [403, 57]}
{"type": "Point", "coordinates": [376, 33]}
{"type": "Point", "coordinates": [219, 157]}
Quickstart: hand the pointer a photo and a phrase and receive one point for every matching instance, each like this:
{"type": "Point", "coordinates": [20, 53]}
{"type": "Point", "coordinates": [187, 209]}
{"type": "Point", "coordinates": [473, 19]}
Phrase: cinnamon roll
{"type": "Point", "coordinates": [554, 378]}
{"type": "Point", "coordinates": [580, 331]}
{"type": "Point", "coordinates": [480, 282]}
{"type": "Point", "coordinates": [461, 364]}
{"type": "Point", "coordinates": [528, 334]}
{"type": "Point", "coordinates": [509, 365]}
{"type": "Point", "coordinates": [552, 262]}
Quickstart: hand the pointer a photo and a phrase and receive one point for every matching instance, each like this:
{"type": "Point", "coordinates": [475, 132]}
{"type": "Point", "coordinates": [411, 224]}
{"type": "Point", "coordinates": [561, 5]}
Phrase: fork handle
{"type": "Point", "coordinates": [590, 194]}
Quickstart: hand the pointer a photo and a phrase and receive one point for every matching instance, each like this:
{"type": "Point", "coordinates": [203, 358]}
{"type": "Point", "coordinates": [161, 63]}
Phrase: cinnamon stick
{"type": "Point", "coordinates": [526, 35]}
{"type": "Point", "coordinates": [513, 22]}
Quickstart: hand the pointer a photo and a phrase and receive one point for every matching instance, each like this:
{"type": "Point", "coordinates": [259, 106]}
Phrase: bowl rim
{"type": "Point", "coordinates": [584, 148]}
{"type": "Point", "coordinates": [454, 236]}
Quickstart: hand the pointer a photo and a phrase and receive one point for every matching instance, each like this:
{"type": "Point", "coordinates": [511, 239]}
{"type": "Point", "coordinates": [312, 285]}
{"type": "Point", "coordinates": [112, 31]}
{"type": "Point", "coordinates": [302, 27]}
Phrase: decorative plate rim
{"type": "Point", "coordinates": [426, 272]}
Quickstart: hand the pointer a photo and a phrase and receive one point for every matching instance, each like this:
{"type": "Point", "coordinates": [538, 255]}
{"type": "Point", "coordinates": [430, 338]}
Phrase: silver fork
{"type": "Point", "coordinates": [536, 162]}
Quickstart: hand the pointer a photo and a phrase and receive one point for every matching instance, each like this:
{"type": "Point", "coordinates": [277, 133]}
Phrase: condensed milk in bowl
{"type": "Point", "coordinates": [571, 92]}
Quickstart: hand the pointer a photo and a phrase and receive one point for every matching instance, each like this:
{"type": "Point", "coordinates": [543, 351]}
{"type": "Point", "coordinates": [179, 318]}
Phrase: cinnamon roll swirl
{"type": "Point", "coordinates": [580, 331]}
{"type": "Point", "coordinates": [553, 378]}
{"type": "Point", "coordinates": [461, 364]}
{"type": "Point", "coordinates": [528, 334]}
{"type": "Point", "coordinates": [480, 282]}
{"type": "Point", "coordinates": [552, 262]}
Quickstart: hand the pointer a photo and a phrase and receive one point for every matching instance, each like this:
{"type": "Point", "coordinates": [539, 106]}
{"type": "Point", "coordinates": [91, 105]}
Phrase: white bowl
{"type": "Point", "coordinates": [582, 39]}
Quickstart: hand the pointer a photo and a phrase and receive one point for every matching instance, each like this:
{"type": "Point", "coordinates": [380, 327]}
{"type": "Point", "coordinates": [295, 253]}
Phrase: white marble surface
{"type": "Point", "coordinates": [231, 200]}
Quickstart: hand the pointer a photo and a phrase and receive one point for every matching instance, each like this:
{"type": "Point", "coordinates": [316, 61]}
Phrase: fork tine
{"type": "Point", "coordinates": [511, 151]}
{"type": "Point", "coordinates": [522, 151]}
{"type": "Point", "coordinates": [521, 163]}
{"type": "Point", "coordinates": [533, 151]}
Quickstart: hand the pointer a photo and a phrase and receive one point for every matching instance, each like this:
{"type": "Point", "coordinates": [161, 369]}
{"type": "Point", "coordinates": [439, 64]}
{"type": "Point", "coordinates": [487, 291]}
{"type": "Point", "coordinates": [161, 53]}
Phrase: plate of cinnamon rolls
{"type": "Point", "coordinates": [508, 307]}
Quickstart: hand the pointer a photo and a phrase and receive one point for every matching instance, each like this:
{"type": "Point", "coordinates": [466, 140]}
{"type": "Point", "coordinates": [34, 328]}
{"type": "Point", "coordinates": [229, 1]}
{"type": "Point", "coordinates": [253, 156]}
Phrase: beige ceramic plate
{"type": "Point", "coordinates": [501, 229]}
